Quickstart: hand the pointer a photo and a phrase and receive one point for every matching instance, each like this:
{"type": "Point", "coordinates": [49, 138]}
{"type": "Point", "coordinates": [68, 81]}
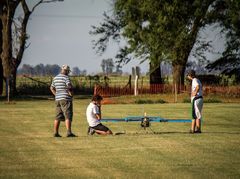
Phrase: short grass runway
{"type": "Point", "coordinates": [28, 150]}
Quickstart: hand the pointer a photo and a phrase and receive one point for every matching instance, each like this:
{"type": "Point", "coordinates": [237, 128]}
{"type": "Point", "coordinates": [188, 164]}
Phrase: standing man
{"type": "Point", "coordinates": [197, 102]}
{"type": "Point", "coordinates": [94, 116]}
{"type": "Point", "coordinates": [61, 88]}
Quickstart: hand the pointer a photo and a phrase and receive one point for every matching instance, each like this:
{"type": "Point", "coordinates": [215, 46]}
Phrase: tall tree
{"type": "Point", "coordinates": [76, 71]}
{"type": "Point", "coordinates": [11, 58]}
{"type": "Point", "coordinates": [158, 30]}
{"type": "Point", "coordinates": [107, 66]}
{"type": "Point", "coordinates": [1, 67]}
{"type": "Point", "coordinates": [228, 17]}
{"type": "Point", "coordinates": [39, 69]}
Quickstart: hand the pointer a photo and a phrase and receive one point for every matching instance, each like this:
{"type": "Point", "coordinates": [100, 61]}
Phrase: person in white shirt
{"type": "Point", "coordinates": [94, 116]}
{"type": "Point", "coordinates": [197, 102]}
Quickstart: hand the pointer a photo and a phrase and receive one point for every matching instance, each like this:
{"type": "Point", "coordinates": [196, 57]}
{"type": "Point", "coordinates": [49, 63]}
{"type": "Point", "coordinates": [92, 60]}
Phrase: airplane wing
{"type": "Point", "coordinates": [140, 118]}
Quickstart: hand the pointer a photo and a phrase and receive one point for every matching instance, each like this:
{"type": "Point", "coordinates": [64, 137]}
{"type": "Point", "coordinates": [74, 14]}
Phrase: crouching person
{"type": "Point", "coordinates": [93, 114]}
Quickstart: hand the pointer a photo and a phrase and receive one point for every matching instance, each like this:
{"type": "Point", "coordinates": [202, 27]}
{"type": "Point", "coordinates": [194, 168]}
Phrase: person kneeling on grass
{"type": "Point", "coordinates": [93, 114]}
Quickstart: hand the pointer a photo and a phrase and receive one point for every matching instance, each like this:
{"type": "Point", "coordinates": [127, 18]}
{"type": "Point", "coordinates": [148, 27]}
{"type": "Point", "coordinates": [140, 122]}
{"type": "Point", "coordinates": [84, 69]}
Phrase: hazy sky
{"type": "Point", "coordinates": [59, 34]}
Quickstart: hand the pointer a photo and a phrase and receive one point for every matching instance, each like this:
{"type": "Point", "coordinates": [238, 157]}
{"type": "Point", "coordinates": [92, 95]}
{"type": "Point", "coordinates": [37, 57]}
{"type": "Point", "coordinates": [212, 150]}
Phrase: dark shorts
{"type": "Point", "coordinates": [64, 110]}
{"type": "Point", "coordinates": [101, 127]}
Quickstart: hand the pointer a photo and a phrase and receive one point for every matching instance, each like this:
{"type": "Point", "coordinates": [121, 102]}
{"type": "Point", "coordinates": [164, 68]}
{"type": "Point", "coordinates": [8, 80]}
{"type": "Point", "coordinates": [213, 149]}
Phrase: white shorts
{"type": "Point", "coordinates": [197, 106]}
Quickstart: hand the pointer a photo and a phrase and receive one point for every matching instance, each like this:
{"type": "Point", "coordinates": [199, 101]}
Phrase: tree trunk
{"type": "Point", "coordinates": [178, 77]}
{"type": "Point", "coordinates": [6, 55]}
{"type": "Point", "coordinates": [13, 83]}
{"type": "Point", "coordinates": [1, 67]}
{"type": "Point", "coordinates": [155, 73]}
{"type": "Point", "coordinates": [155, 78]}
{"type": "Point", "coordinates": [1, 77]}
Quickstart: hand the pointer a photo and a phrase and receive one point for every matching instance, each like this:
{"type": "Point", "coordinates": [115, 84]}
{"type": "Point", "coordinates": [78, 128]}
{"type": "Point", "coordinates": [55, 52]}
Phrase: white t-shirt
{"type": "Point", "coordinates": [91, 112]}
{"type": "Point", "coordinates": [196, 82]}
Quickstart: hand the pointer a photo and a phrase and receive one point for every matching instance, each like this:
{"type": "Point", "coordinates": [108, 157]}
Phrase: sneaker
{"type": "Point", "coordinates": [191, 131]}
{"type": "Point", "coordinates": [91, 131]}
{"type": "Point", "coordinates": [198, 131]}
{"type": "Point", "coordinates": [71, 135]}
{"type": "Point", "coordinates": [57, 135]}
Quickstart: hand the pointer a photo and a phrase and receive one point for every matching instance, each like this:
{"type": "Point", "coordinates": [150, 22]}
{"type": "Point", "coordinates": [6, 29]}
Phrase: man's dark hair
{"type": "Point", "coordinates": [191, 73]}
{"type": "Point", "coordinates": [97, 98]}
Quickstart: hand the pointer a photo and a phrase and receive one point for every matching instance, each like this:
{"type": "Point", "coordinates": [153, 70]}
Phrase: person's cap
{"type": "Point", "coordinates": [66, 67]}
{"type": "Point", "coordinates": [191, 73]}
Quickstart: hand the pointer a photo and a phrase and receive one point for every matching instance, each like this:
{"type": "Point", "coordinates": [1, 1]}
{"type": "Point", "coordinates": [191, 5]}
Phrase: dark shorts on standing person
{"type": "Point", "coordinates": [101, 127]}
{"type": "Point", "coordinates": [64, 110]}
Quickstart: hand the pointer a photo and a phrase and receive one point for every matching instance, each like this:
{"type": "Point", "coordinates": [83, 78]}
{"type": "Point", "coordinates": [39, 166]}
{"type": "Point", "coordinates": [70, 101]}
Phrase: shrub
{"type": "Point", "coordinates": [186, 100]}
{"type": "Point", "coordinates": [212, 100]}
{"type": "Point", "coordinates": [149, 101]}
{"type": "Point", "coordinates": [161, 101]}
{"type": "Point", "coordinates": [209, 100]}
{"type": "Point", "coordinates": [144, 101]}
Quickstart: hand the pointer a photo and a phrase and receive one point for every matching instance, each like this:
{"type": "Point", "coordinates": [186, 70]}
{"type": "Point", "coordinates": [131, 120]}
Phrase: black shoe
{"type": "Point", "coordinates": [71, 135]}
{"type": "Point", "coordinates": [191, 131]}
{"type": "Point", "coordinates": [57, 135]}
{"type": "Point", "coordinates": [198, 131]}
{"type": "Point", "coordinates": [91, 131]}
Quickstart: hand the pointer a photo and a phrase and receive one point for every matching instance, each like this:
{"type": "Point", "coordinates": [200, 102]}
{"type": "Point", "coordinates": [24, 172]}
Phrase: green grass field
{"type": "Point", "coordinates": [28, 150]}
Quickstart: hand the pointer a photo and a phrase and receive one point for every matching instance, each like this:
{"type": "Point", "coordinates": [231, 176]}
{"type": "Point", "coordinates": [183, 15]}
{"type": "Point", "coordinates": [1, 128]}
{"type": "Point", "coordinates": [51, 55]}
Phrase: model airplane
{"type": "Point", "coordinates": [145, 120]}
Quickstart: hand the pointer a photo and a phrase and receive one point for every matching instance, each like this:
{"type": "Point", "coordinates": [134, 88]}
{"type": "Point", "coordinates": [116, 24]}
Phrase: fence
{"type": "Point", "coordinates": [40, 85]}
{"type": "Point", "coordinates": [115, 86]}
{"type": "Point", "coordinates": [233, 91]}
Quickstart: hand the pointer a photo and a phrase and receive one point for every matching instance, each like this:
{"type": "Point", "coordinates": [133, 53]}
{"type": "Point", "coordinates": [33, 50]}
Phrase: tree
{"type": "Point", "coordinates": [1, 67]}
{"type": "Point", "coordinates": [39, 69]}
{"type": "Point", "coordinates": [27, 70]}
{"type": "Point", "coordinates": [159, 31]}
{"type": "Point", "coordinates": [76, 71]}
{"type": "Point", "coordinates": [52, 69]}
{"type": "Point", "coordinates": [83, 72]}
{"type": "Point", "coordinates": [228, 17]}
{"type": "Point", "coordinates": [107, 66]}
{"type": "Point", "coordinates": [11, 56]}
{"type": "Point", "coordinates": [119, 69]}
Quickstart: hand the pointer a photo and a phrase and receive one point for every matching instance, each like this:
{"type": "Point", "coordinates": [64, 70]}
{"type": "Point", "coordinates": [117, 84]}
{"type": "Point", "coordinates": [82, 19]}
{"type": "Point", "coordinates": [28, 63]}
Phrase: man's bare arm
{"type": "Point", "coordinates": [70, 90]}
{"type": "Point", "coordinates": [194, 93]}
{"type": "Point", "coordinates": [98, 116]}
{"type": "Point", "coordinates": [53, 90]}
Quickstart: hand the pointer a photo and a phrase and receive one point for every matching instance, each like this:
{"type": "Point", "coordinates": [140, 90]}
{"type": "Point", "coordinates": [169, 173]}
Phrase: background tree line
{"type": "Point", "coordinates": [108, 66]}
{"type": "Point", "coordinates": [47, 70]}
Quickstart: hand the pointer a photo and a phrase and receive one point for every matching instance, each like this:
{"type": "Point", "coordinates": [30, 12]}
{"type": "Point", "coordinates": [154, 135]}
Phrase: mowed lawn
{"type": "Point", "coordinates": [28, 150]}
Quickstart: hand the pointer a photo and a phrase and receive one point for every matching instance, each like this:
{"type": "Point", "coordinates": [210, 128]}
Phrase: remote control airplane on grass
{"type": "Point", "coordinates": [145, 120]}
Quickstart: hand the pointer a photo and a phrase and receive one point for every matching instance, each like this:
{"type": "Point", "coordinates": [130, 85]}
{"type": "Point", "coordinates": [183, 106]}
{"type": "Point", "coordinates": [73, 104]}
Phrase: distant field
{"type": "Point", "coordinates": [28, 150]}
{"type": "Point", "coordinates": [83, 80]}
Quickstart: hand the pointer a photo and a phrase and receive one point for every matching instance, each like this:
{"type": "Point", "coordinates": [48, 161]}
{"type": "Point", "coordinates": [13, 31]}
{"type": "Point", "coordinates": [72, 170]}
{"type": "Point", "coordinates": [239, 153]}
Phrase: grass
{"type": "Point", "coordinates": [28, 150]}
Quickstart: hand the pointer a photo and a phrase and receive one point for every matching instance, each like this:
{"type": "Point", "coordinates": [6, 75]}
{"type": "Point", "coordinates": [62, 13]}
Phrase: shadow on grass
{"type": "Point", "coordinates": [219, 132]}
{"type": "Point", "coordinates": [41, 97]}
{"type": "Point", "coordinates": [182, 133]}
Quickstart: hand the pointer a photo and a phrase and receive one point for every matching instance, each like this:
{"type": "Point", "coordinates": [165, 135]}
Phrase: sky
{"type": "Point", "coordinates": [59, 34]}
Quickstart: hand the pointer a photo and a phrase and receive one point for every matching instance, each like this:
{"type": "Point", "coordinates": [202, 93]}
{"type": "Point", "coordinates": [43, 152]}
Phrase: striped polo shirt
{"type": "Point", "coordinates": [61, 83]}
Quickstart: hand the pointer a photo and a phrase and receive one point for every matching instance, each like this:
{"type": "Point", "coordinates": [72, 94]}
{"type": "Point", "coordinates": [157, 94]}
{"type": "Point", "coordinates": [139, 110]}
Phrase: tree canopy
{"type": "Point", "coordinates": [164, 30]}
{"type": "Point", "coordinates": [13, 34]}
{"type": "Point", "coordinates": [228, 15]}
